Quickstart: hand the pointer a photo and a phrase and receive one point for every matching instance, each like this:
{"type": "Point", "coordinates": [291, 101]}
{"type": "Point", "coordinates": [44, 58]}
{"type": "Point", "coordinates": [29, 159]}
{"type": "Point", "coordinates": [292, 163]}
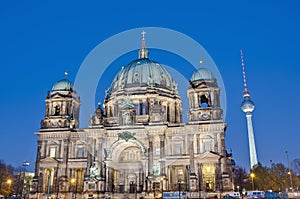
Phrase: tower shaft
{"type": "Point", "coordinates": [252, 149]}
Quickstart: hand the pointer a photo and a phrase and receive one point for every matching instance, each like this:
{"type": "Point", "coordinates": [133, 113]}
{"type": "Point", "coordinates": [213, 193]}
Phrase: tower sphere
{"type": "Point", "coordinates": [247, 105]}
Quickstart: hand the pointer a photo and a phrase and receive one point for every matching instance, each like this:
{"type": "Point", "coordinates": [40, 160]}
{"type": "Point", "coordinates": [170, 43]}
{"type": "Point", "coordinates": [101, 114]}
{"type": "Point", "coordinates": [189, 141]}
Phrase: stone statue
{"type": "Point", "coordinates": [57, 110]}
{"type": "Point", "coordinates": [127, 119]}
{"type": "Point", "coordinates": [156, 169]}
{"type": "Point", "coordinates": [93, 171]}
{"type": "Point", "coordinates": [91, 121]}
{"type": "Point", "coordinates": [106, 153]}
{"type": "Point", "coordinates": [143, 151]}
{"type": "Point", "coordinates": [42, 125]}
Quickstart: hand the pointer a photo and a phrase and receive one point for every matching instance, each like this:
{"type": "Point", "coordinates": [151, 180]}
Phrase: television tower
{"type": "Point", "coordinates": [248, 107]}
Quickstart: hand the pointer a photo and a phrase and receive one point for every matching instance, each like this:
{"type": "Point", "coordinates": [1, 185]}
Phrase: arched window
{"type": "Point", "coordinates": [144, 109]}
{"type": "Point", "coordinates": [80, 152]}
{"type": "Point", "coordinates": [130, 154]}
{"type": "Point", "coordinates": [136, 78]}
{"type": "Point", "coordinates": [57, 110]}
{"type": "Point", "coordinates": [203, 101]}
{"type": "Point", "coordinates": [137, 109]}
{"type": "Point", "coordinates": [168, 113]}
{"type": "Point", "coordinates": [207, 143]}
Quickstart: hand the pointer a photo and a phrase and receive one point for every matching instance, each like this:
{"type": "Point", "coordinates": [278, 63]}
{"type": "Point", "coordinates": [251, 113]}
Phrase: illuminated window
{"type": "Point", "coordinates": [52, 152]}
{"type": "Point", "coordinates": [180, 175]}
{"type": "Point", "coordinates": [80, 152]}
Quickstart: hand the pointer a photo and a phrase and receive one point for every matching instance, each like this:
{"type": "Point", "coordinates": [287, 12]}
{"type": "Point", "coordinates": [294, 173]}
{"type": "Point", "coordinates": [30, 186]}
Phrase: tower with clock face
{"type": "Point", "coordinates": [204, 97]}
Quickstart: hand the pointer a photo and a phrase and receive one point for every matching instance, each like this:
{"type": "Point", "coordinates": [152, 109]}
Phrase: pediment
{"type": "Point", "coordinates": [127, 107]}
{"type": "Point", "coordinates": [210, 156]}
{"type": "Point", "coordinates": [49, 160]}
{"type": "Point", "coordinates": [127, 103]}
{"type": "Point", "coordinates": [59, 95]}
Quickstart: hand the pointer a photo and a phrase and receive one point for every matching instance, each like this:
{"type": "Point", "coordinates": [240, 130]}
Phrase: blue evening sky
{"type": "Point", "coordinates": [39, 40]}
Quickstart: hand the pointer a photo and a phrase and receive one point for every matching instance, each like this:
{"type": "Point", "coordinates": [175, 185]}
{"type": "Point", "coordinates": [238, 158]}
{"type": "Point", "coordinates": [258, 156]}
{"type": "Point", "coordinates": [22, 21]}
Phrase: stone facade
{"type": "Point", "coordinates": [138, 145]}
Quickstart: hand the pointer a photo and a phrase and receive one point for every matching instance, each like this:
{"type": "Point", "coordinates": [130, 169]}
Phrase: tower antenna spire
{"type": "Point", "coordinates": [245, 92]}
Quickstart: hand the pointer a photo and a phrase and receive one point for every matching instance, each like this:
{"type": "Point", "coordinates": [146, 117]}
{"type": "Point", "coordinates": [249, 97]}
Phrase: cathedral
{"type": "Point", "coordinates": [136, 144]}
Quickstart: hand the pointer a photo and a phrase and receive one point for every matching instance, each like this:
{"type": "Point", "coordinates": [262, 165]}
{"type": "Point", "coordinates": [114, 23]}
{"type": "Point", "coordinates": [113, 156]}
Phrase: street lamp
{"type": "Point", "coordinates": [179, 188]}
{"type": "Point", "coordinates": [25, 164]}
{"type": "Point", "coordinates": [9, 183]}
{"type": "Point", "coordinates": [252, 175]}
{"type": "Point", "coordinates": [73, 180]}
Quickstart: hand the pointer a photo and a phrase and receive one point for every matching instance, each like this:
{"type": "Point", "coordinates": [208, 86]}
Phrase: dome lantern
{"type": "Point", "coordinates": [143, 52]}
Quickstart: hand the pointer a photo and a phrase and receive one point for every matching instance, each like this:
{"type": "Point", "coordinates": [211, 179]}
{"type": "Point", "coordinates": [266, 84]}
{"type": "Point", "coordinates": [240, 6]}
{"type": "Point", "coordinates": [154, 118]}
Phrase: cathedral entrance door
{"type": "Point", "coordinates": [209, 186]}
{"type": "Point", "coordinates": [132, 187]}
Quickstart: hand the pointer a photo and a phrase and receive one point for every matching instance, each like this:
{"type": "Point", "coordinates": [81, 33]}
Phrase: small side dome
{"type": "Point", "coordinates": [202, 74]}
{"type": "Point", "coordinates": [63, 85]}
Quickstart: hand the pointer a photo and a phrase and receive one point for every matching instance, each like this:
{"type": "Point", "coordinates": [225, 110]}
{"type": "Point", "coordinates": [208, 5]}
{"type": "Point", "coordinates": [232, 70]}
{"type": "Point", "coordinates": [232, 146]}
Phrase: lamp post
{"type": "Point", "coordinates": [252, 175]}
{"type": "Point", "coordinates": [289, 172]}
{"type": "Point", "coordinates": [73, 180]}
{"type": "Point", "coordinates": [25, 164]}
{"type": "Point", "coordinates": [9, 183]}
{"type": "Point", "coordinates": [179, 189]}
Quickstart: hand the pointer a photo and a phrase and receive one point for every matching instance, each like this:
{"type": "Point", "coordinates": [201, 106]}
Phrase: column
{"type": "Point", "coordinates": [200, 180]}
{"type": "Point", "coordinates": [150, 157]}
{"type": "Point", "coordinates": [162, 154]}
{"type": "Point", "coordinates": [45, 149]}
{"type": "Point", "coordinates": [176, 112]}
{"type": "Point", "coordinates": [193, 177]}
{"type": "Point", "coordinates": [100, 149]}
{"type": "Point", "coordinates": [191, 152]}
{"type": "Point", "coordinates": [47, 109]}
{"type": "Point", "coordinates": [60, 149]}
{"type": "Point", "coordinates": [38, 157]}
{"type": "Point", "coordinates": [196, 103]}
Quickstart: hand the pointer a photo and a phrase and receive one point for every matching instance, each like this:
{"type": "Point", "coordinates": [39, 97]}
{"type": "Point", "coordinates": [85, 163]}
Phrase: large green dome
{"type": "Point", "coordinates": [143, 72]}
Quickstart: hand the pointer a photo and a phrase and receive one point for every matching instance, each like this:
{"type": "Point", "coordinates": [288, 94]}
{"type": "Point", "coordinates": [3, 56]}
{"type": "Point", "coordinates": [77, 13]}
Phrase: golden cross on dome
{"type": "Point", "coordinates": [143, 34]}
